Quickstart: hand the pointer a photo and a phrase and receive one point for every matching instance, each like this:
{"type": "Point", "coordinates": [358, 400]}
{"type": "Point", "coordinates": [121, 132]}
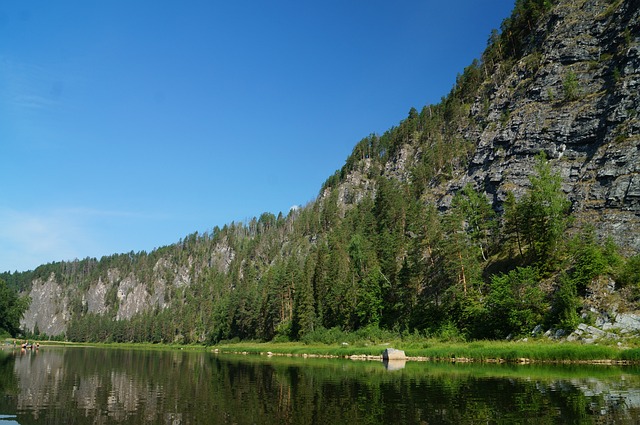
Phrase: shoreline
{"type": "Point", "coordinates": [379, 358]}
{"type": "Point", "coordinates": [490, 352]}
{"type": "Point", "coordinates": [494, 352]}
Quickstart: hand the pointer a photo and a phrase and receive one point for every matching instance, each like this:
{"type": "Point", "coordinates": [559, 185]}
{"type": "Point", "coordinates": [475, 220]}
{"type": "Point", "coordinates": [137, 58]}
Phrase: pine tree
{"type": "Point", "coordinates": [544, 211]}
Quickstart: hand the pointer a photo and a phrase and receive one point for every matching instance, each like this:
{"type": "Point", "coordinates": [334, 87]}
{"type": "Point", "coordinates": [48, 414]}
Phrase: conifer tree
{"type": "Point", "coordinates": [544, 213]}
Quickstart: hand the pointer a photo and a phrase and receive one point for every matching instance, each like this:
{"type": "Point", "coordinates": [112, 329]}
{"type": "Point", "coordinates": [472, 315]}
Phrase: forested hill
{"type": "Point", "coordinates": [514, 202]}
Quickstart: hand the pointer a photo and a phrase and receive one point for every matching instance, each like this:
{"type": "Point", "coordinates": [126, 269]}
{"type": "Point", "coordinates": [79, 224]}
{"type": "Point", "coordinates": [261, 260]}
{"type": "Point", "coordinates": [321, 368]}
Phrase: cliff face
{"type": "Point", "coordinates": [154, 282]}
{"type": "Point", "coordinates": [49, 309]}
{"type": "Point", "coordinates": [573, 94]}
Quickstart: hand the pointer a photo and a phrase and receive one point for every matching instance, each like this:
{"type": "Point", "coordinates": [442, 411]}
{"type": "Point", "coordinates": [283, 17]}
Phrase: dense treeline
{"type": "Point", "coordinates": [12, 306]}
{"type": "Point", "coordinates": [380, 258]}
{"type": "Point", "coordinates": [390, 262]}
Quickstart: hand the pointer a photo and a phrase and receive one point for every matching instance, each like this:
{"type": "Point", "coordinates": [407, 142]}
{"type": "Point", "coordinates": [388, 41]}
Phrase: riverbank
{"type": "Point", "coordinates": [531, 351]}
{"type": "Point", "coordinates": [114, 345]}
{"type": "Point", "coordinates": [433, 350]}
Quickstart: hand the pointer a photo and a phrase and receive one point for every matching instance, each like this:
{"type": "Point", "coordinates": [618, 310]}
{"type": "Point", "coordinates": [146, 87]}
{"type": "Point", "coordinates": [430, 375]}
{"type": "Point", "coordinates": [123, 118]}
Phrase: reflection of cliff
{"type": "Point", "coordinates": [85, 393]}
{"type": "Point", "coordinates": [611, 399]}
{"type": "Point", "coordinates": [37, 375]}
{"type": "Point", "coordinates": [99, 386]}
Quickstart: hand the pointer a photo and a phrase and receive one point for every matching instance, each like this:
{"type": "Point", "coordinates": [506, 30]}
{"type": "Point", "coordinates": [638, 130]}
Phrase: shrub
{"type": "Point", "coordinates": [449, 332]}
{"type": "Point", "coordinates": [565, 304]}
{"type": "Point", "coordinates": [324, 336]}
{"type": "Point", "coordinates": [630, 272]}
{"type": "Point", "coordinates": [570, 87]}
{"type": "Point", "coordinates": [516, 303]}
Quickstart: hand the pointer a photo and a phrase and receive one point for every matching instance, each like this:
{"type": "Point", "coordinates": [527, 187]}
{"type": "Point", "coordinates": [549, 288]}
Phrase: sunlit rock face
{"type": "Point", "coordinates": [48, 310]}
{"type": "Point", "coordinates": [592, 136]}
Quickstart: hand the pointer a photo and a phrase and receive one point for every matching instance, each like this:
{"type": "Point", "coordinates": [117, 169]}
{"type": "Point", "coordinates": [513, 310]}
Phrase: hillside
{"type": "Point", "coordinates": [453, 221]}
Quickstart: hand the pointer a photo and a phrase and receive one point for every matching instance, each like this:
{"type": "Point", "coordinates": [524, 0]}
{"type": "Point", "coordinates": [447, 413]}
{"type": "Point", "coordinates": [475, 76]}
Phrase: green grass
{"type": "Point", "coordinates": [127, 346]}
{"type": "Point", "coordinates": [483, 351]}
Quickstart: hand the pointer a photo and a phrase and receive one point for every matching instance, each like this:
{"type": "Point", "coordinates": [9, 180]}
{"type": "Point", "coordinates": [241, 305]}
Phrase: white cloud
{"type": "Point", "coordinates": [32, 238]}
{"type": "Point", "coordinates": [29, 239]}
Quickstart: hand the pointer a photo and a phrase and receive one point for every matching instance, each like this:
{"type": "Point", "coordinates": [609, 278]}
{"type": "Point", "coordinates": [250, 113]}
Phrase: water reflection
{"type": "Point", "coordinates": [392, 365]}
{"type": "Point", "coordinates": [86, 385]}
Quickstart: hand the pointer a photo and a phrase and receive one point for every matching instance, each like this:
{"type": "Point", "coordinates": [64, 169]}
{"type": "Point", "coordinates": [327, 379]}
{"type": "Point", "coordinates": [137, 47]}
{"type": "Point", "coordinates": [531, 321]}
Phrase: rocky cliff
{"type": "Point", "coordinates": [573, 94]}
{"type": "Point", "coordinates": [571, 91]}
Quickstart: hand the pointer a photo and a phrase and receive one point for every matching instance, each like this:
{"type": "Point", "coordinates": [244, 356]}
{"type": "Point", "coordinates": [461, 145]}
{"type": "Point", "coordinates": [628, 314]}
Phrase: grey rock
{"type": "Point", "coordinates": [627, 322]}
{"type": "Point", "coordinates": [393, 354]}
{"type": "Point", "coordinates": [595, 332]}
{"type": "Point", "coordinates": [560, 333]}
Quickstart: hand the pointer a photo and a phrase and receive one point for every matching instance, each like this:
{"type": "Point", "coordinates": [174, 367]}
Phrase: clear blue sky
{"type": "Point", "coordinates": [126, 125]}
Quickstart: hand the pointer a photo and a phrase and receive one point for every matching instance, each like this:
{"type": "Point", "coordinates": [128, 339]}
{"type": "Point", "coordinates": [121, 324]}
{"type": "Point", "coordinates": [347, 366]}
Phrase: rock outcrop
{"type": "Point", "coordinates": [592, 134]}
{"type": "Point", "coordinates": [49, 309]}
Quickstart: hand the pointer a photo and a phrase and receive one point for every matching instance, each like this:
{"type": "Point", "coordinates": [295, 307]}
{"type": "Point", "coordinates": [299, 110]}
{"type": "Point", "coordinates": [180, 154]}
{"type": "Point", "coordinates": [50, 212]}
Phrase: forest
{"type": "Point", "coordinates": [389, 262]}
{"type": "Point", "coordinates": [379, 256]}
{"type": "Point", "coordinates": [12, 307]}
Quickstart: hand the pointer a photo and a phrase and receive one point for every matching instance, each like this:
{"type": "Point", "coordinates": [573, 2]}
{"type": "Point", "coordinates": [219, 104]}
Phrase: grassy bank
{"type": "Point", "coordinates": [483, 351]}
{"type": "Point", "coordinates": [114, 345]}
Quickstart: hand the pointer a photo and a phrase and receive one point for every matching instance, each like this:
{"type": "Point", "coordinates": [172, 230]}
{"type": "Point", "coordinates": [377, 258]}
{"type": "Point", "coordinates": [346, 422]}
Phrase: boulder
{"type": "Point", "coordinates": [627, 322]}
{"type": "Point", "coordinates": [393, 354]}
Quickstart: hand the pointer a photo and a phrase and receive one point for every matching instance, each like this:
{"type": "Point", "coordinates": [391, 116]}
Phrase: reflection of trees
{"type": "Point", "coordinates": [306, 394]}
{"type": "Point", "coordinates": [120, 386]}
{"type": "Point", "coordinates": [8, 382]}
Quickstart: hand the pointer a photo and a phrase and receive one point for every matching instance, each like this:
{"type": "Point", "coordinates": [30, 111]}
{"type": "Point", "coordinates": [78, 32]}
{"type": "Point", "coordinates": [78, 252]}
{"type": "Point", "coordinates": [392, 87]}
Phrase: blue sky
{"type": "Point", "coordinates": [126, 125]}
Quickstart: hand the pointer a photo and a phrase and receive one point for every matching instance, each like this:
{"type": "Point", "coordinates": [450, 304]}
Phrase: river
{"type": "Point", "coordinates": [120, 386]}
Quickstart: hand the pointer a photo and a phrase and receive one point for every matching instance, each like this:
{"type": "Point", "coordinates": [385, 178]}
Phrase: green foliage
{"type": "Point", "coordinates": [630, 272]}
{"type": "Point", "coordinates": [511, 42]}
{"type": "Point", "coordinates": [565, 304]}
{"type": "Point", "coordinates": [12, 307]}
{"type": "Point", "coordinates": [516, 302]}
{"type": "Point", "coordinates": [370, 303]}
{"type": "Point", "coordinates": [570, 87]}
{"type": "Point", "coordinates": [590, 259]}
{"type": "Point", "coordinates": [449, 332]}
{"type": "Point", "coordinates": [469, 228]}
{"type": "Point", "coordinates": [325, 336]}
{"type": "Point", "coordinates": [538, 220]}
{"type": "Point", "coordinates": [480, 222]}
{"type": "Point", "coordinates": [616, 75]}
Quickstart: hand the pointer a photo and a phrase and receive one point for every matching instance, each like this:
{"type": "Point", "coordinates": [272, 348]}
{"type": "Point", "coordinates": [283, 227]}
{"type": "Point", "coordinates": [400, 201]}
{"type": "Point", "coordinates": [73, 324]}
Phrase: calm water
{"type": "Point", "coordinates": [98, 386]}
